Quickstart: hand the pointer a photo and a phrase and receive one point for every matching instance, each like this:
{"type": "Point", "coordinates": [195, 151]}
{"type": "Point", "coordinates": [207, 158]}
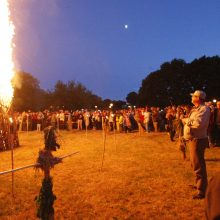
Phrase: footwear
{"type": "Point", "coordinates": [192, 186]}
{"type": "Point", "coordinates": [198, 196]}
{"type": "Point", "coordinates": [212, 145]}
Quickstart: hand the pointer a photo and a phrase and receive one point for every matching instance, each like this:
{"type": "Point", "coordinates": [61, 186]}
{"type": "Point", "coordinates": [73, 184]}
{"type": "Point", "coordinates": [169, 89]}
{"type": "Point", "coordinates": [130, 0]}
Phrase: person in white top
{"type": "Point", "coordinates": [147, 117]}
{"type": "Point", "coordinates": [195, 134]}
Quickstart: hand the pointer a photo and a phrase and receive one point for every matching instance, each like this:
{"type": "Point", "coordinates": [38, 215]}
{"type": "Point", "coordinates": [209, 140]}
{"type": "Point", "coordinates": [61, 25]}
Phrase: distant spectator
{"type": "Point", "coordinates": [147, 118]}
{"type": "Point", "coordinates": [126, 123]}
{"type": "Point", "coordinates": [214, 132]}
{"type": "Point", "coordinates": [137, 117]}
{"type": "Point", "coordinates": [170, 116]}
{"type": "Point", "coordinates": [79, 120]}
{"type": "Point", "coordinates": [40, 117]}
{"type": "Point", "coordinates": [155, 117]}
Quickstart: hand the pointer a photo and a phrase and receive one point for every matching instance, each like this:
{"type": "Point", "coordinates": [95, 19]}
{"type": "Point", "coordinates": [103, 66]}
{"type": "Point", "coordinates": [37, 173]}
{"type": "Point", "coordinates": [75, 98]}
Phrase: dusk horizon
{"type": "Point", "coordinates": [110, 47]}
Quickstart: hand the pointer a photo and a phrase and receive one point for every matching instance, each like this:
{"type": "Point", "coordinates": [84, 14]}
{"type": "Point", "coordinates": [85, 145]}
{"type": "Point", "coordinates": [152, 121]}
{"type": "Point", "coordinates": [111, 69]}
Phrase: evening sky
{"type": "Point", "coordinates": [86, 40]}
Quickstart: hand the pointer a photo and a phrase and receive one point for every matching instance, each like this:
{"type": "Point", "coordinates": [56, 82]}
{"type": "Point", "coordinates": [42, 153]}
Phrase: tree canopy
{"type": "Point", "coordinates": [27, 92]}
{"type": "Point", "coordinates": [132, 98]}
{"type": "Point", "coordinates": [171, 84]}
{"type": "Point", "coordinates": [71, 95]}
{"type": "Point", "coordinates": [175, 80]}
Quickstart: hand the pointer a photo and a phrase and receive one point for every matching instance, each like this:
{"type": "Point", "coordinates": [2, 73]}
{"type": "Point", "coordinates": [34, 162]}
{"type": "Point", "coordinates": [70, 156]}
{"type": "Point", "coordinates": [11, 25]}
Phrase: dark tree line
{"type": "Point", "coordinates": [171, 84]}
{"type": "Point", "coordinates": [27, 93]}
{"type": "Point", "coordinates": [175, 80]}
{"type": "Point", "coordinates": [71, 95]}
{"type": "Point", "coordinates": [29, 96]}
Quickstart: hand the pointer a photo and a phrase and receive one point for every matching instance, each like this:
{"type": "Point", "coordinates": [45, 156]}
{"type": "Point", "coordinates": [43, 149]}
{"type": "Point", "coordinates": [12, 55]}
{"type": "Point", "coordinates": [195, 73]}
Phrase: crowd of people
{"type": "Point", "coordinates": [126, 120]}
{"type": "Point", "coordinates": [148, 119]}
{"type": "Point", "coordinates": [195, 128]}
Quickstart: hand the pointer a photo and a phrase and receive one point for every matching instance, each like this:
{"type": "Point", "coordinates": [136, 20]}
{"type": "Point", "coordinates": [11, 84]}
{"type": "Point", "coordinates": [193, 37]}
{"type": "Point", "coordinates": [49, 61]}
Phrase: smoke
{"type": "Point", "coordinates": [26, 14]}
{"type": "Point", "coordinates": [16, 81]}
{"type": "Point", "coordinates": [48, 7]}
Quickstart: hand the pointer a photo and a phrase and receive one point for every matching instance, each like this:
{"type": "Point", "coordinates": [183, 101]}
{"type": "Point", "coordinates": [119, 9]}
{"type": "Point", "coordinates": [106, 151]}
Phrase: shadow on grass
{"type": "Point", "coordinates": [212, 159]}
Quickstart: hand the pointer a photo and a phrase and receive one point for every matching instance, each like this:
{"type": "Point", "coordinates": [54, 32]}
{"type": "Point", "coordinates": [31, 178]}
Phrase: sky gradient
{"type": "Point", "coordinates": [86, 41]}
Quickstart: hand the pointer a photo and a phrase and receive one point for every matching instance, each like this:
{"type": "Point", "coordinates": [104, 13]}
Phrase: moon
{"type": "Point", "coordinates": [126, 26]}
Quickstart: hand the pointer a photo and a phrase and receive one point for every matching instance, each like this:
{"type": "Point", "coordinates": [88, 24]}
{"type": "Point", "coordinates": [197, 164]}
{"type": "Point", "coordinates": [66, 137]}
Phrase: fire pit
{"type": "Point", "coordinates": [8, 132]}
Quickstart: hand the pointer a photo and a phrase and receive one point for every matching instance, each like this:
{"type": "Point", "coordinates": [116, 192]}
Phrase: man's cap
{"type": "Point", "coordinates": [199, 93]}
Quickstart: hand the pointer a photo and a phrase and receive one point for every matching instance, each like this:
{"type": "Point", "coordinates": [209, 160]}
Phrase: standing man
{"type": "Point", "coordinates": [195, 134]}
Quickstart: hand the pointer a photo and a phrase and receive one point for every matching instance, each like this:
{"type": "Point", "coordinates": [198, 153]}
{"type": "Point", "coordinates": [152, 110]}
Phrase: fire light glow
{"type": "Point", "coordinates": [6, 50]}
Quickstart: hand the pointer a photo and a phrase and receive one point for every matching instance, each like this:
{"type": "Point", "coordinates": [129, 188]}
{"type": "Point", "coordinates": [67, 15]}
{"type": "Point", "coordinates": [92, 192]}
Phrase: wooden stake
{"type": "Point", "coordinates": [115, 137]}
{"type": "Point", "coordinates": [11, 140]}
{"type": "Point", "coordinates": [104, 141]}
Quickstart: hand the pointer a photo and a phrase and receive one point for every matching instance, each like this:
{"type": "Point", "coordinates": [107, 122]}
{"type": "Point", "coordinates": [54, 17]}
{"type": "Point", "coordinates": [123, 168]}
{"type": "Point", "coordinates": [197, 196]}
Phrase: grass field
{"type": "Point", "coordinates": [143, 177]}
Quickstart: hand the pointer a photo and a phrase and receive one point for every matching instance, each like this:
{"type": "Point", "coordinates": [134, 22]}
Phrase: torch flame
{"type": "Point", "coordinates": [11, 120]}
{"type": "Point", "coordinates": [6, 61]}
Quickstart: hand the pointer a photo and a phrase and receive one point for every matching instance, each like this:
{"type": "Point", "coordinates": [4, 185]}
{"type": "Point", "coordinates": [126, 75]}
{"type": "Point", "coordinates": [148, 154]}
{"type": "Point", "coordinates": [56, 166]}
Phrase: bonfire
{"type": "Point", "coordinates": [8, 134]}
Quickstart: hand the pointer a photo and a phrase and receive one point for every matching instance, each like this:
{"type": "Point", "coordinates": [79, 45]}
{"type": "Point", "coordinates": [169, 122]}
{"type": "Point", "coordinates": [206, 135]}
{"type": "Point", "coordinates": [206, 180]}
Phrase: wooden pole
{"type": "Point", "coordinates": [33, 165]}
{"type": "Point", "coordinates": [19, 168]}
{"type": "Point", "coordinates": [115, 136]}
{"type": "Point", "coordinates": [68, 155]}
{"type": "Point", "coordinates": [104, 142]}
{"type": "Point", "coordinates": [11, 140]}
{"type": "Point", "coordinates": [27, 115]}
{"type": "Point", "coordinates": [10, 129]}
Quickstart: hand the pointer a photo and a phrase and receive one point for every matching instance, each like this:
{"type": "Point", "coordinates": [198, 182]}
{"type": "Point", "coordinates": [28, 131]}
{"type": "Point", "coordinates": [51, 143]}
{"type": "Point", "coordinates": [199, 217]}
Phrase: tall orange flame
{"type": "Point", "coordinates": [6, 49]}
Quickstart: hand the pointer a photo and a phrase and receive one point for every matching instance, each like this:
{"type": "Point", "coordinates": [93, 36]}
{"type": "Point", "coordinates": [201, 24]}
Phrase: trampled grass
{"type": "Point", "coordinates": [143, 177]}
